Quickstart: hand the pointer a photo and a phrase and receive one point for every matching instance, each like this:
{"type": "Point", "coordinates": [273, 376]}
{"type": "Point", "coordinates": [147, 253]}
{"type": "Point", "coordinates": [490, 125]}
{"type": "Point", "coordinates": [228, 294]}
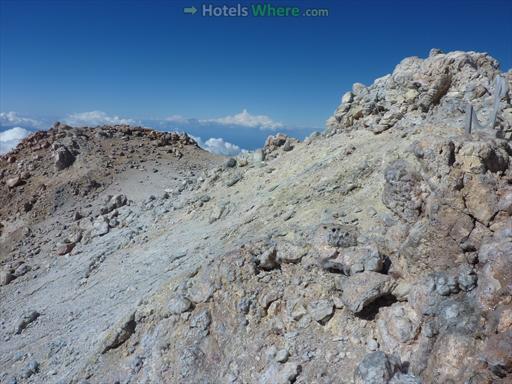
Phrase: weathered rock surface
{"type": "Point", "coordinates": [351, 256]}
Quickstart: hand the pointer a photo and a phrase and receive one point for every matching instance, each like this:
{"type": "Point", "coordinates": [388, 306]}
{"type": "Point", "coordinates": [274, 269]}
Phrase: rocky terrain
{"type": "Point", "coordinates": [378, 251]}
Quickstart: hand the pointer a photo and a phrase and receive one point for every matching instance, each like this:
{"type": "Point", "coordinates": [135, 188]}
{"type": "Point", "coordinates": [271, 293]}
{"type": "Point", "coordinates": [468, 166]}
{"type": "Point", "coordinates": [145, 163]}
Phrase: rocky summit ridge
{"type": "Point", "coordinates": [376, 252]}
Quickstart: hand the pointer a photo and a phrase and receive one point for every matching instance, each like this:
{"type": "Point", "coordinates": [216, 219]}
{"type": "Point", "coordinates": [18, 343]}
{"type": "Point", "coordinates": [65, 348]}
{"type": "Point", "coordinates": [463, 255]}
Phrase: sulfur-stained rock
{"type": "Point", "coordinates": [480, 197]}
{"type": "Point", "coordinates": [402, 191]}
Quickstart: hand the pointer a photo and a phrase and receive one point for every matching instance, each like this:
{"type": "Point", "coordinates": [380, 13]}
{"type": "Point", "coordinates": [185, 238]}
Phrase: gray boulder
{"type": "Point", "coordinates": [63, 158]}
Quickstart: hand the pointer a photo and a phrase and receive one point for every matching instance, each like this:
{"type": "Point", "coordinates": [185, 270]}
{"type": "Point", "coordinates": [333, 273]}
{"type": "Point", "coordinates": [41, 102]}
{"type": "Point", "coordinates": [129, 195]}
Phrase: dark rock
{"type": "Point", "coordinates": [64, 249]}
{"type": "Point", "coordinates": [267, 260]}
{"type": "Point", "coordinates": [231, 163]}
{"type": "Point", "coordinates": [63, 158]}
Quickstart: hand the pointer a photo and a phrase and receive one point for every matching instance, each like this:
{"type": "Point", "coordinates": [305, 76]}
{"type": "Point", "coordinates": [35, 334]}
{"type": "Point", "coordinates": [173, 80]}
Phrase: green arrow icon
{"type": "Point", "coordinates": [191, 10]}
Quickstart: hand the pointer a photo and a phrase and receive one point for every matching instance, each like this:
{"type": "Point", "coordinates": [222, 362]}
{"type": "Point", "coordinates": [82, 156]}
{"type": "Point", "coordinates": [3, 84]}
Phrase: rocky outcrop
{"type": "Point", "coordinates": [426, 90]}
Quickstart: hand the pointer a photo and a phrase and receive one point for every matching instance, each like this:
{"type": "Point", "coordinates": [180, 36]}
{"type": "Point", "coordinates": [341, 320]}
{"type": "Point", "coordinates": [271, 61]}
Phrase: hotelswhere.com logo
{"type": "Point", "coordinates": [254, 10]}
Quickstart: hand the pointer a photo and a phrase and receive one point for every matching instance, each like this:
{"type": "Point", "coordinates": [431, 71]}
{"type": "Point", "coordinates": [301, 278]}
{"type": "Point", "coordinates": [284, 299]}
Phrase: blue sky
{"type": "Point", "coordinates": [148, 61]}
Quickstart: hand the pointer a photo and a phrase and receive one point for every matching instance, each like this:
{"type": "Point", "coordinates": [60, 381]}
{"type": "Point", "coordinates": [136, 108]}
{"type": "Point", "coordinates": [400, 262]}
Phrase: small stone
{"type": "Point", "coordinates": [202, 320]}
{"type": "Point", "coordinates": [63, 158]}
{"type": "Point", "coordinates": [282, 356]}
{"type": "Point", "coordinates": [401, 291]}
{"type": "Point", "coordinates": [280, 374]}
{"type": "Point", "coordinates": [30, 369]}
{"type": "Point", "coordinates": [435, 52]}
{"type": "Point", "coordinates": [372, 344]}
{"type": "Point", "coordinates": [14, 182]}
{"type": "Point", "coordinates": [347, 98]}
{"type": "Point", "coordinates": [25, 320]}
{"type": "Point", "coordinates": [289, 253]}
{"type": "Point", "coordinates": [100, 226]}
{"type": "Point", "coordinates": [22, 270]}
{"type": "Point", "coordinates": [179, 304]}
{"type": "Point", "coordinates": [268, 259]}
{"type": "Point", "coordinates": [287, 147]}
{"type": "Point", "coordinates": [321, 310]}
{"type": "Point", "coordinates": [230, 163]}
{"type": "Point", "coordinates": [6, 277]}
{"type": "Point", "coordinates": [446, 284]}
{"type": "Point", "coordinates": [119, 333]}
{"type": "Point", "coordinates": [200, 291]}
{"type": "Point", "coordinates": [377, 368]}
{"type": "Point", "coordinates": [467, 280]}
{"type": "Point", "coordinates": [298, 311]}
{"type": "Point", "coordinates": [114, 202]}
{"type": "Point", "coordinates": [216, 213]}
{"type": "Point", "coordinates": [64, 249]}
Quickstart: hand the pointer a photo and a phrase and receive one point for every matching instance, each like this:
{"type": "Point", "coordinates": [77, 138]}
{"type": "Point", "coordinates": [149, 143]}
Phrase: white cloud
{"type": "Point", "coordinates": [177, 119]}
{"type": "Point", "coordinates": [245, 119]}
{"type": "Point", "coordinates": [219, 146]}
{"type": "Point", "coordinates": [94, 118]}
{"type": "Point", "coordinates": [11, 137]}
{"type": "Point", "coordinates": [12, 118]}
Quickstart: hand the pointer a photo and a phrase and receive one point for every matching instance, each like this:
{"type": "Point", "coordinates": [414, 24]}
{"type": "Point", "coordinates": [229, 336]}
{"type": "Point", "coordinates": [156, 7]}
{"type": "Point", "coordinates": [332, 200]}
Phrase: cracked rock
{"type": "Point", "coordinates": [362, 289]}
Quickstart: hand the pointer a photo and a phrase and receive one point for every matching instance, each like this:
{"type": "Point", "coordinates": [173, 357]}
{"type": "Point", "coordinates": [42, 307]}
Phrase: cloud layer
{"type": "Point", "coordinates": [94, 118]}
{"type": "Point", "coordinates": [11, 137]}
{"type": "Point", "coordinates": [245, 119]}
{"type": "Point", "coordinates": [10, 119]}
